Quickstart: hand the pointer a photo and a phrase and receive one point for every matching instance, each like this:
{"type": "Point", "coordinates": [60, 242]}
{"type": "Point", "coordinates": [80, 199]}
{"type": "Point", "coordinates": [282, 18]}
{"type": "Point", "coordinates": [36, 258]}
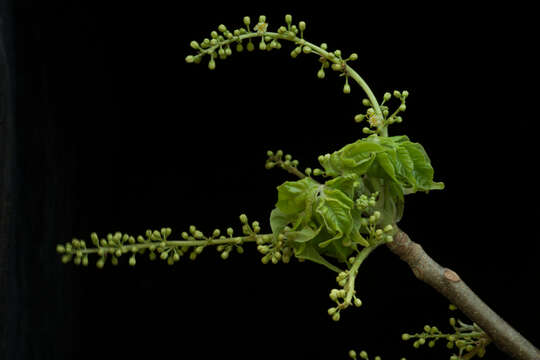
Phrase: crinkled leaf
{"type": "Point", "coordinates": [309, 252]}
{"type": "Point", "coordinates": [345, 183]}
{"type": "Point", "coordinates": [353, 158]}
{"type": "Point", "coordinates": [334, 211]}
{"type": "Point", "coordinates": [304, 235]}
{"type": "Point", "coordinates": [292, 195]}
{"type": "Point", "coordinates": [422, 171]}
{"type": "Point", "coordinates": [278, 221]}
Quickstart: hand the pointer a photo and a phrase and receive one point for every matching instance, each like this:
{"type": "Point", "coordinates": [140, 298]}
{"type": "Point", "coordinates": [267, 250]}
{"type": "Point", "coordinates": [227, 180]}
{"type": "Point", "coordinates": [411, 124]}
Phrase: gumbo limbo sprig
{"type": "Point", "coordinates": [334, 215]}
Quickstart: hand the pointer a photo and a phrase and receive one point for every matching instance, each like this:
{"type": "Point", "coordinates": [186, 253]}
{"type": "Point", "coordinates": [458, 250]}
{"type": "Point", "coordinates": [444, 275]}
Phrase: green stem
{"type": "Point", "coordinates": [353, 271]}
{"type": "Point", "coordinates": [181, 243]}
{"type": "Point", "coordinates": [382, 129]}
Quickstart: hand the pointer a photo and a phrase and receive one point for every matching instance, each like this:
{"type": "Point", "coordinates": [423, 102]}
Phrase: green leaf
{"type": "Point", "coordinates": [353, 158]}
{"type": "Point", "coordinates": [308, 252]}
{"type": "Point", "coordinates": [304, 235]}
{"type": "Point", "coordinates": [334, 211]}
{"type": "Point", "coordinates": [345, 183]}
{"type": "Point", "coordinates": [278, 221]}
{"type": "Point", "coordinates": [292, 195]}
{"type": "Point", "coordinates": [421, 177]}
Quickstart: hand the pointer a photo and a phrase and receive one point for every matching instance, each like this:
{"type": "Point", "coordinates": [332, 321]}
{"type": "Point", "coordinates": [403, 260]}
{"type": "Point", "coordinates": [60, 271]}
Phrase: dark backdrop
{"type": "Point", "coordinates": [113, 131]}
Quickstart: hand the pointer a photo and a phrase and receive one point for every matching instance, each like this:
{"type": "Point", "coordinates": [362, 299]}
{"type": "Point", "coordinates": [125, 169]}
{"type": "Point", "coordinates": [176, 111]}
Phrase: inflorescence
{"type": "Point", "coordinates": [157, 243]}
{"type": "Point", "coordinates": [469, 340]}
{"type": "Point", "coordinates": [220, 44]}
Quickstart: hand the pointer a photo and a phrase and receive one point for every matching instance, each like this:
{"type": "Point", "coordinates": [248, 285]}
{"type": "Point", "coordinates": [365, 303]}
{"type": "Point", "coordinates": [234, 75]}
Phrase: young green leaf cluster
{"type": "Point", "coordinates": [470, 340]}
{"type": "Point", "coordinates": [157, 243]}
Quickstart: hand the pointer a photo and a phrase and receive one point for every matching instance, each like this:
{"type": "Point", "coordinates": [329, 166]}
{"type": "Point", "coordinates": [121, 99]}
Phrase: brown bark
{"type": "Point", "coordinates": [450, 285]}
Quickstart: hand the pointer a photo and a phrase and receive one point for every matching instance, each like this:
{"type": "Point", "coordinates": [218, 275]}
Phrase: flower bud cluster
{"type": "Point", "coordinates": [374, 120]}
{"type": "Point", "coordinates": [286, 162]}
{"type": "Point", "coordinates": [158, 244]}
{"type": "Point", "coordinates": [344, 296]}
{"type": "Point", "coordinates": [468, 340]}
{"type": "Point", "coordinates": [370, 223]}
{"type": "Point", "coordinates": [275, 249]}
{"type": "Point", "coordinates": [363, 355]}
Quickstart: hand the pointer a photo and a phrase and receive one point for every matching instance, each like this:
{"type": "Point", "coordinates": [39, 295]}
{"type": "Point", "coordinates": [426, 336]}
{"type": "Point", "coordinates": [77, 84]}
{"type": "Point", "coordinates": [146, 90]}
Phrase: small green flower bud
{"type": "Point", "coordinates": [60, 249]}
{"type": "Point", "coordinates": [431, 344]}
{"type": "Point", "coordinates": [337, 53]}
{"type": "Point", "coordinates": [250, 46]}
{"type": "Point", "coordinates": [332, 311]}
{"type": "Point", "coordinates": [85, 261]}
{"type": "Point", "coordinates": [222, 28]}
{"type": "Point", "coordinates": [101, 252]}
{"type": "Point", "coordinates": [156, 235]}
{"type": "Point", "coordinates": [402, 107]}
{"type": "Point", "coordinates": [405, 94]}
{"type": "Point", "coordinates": [452, 321]}
{"type": "Point", "coordinates": [230, 231]}
{"type": "Point", "coordinates": [388, 228]}
{"type": "Point", "coordinates": [454, 357]}
{"type": "Point", "coordinates": [366, 102]}
{"type": "Point", "coordinates": [363, 355]}
{"type": "Point", "coordinates": [346, 88]}
{"type": "Point", "coordinates": [336, 66]}
{"type": "Point", "coordinates": [132, 261]}
{"type": "Point", "coordinates": [262, 19]}
{"type": "Point", "coordinates": [302, 25]}
{"type": "Point", "coordinates": [387, 96]}
{"type": "Point", "coordinates": [152, 255]}
{"type": "Point", "coordinates": [118, 252]}
{"type": "Point", "coordinates": [176, 257]}
{"type": "Point", "coordinates": [216, 233]}
{"type": "Point", "coordinates": [357, 302]}
{"type": "Point", "coordinates": [282, 30]}
{"type": "Point", "coordinates": [199, 249]}
{"type": "Point", "coordinates": [243, 219]}
{"type": "Point", "coordinates": [389, 238]}
{"type": "Point", "coordinates": [353, 57]}
{"type": "Point", "coordinates": [212, 64]}
{"type": "Point", "coordinates": [190, 59]}
{"type": "Point", "coordinates": [320, 74]}
{"type": "Point", "coordinates": [427, 328]}
{"type": "Point", "coordinates": [164, 255]}
{"type": "Point", "coordinates": [262, 45]}
{"type": "Point", "coordinates": [352, 354]}
{"type": "Point", "coordinates": [450, 345]}
{"type": "Point", "coordinates": [416, 344]}
{"type": "Point", "coordinates": [95, 239]}
{"type": "Point", "coordinates": [214, 34]}
{"type": "Point", "coordinates": [279, 153]}
{"type": "Point", "coordinates": [336, 316]}
{"type": "Point", "coordinates": [66, 258]}
{"type": "Point", "coordinates": [377, 358]}
{"type": "Point", "coordinates": [193, 255]}
{"type": "Point", "coordinates": [317, 172]}
{"type": "Point", "coordinates": [452, 307]}
{"type": "Point", "coordinates": [421, 341]}
{"type": "Point", "coordinates": [198, 235]}
{"type": "Point", "coordinates": [397, 94]}
{"type": "Point", "coordinates": [247, 20]}
{"type": "Point", "coordinates": [358, 118]}
{"type": "Point", "coordinates": [225, 255]}
{"type": "Point", "coordinates": [469, 348]}
{"type": "Point", "coordinates": [460, 344]}
{"type": "Point", "coordinates": [288, 19]}
{"type": "Point", "coordinates": [308, 171]}
{"type": "Point", "coordinates": [405, 336]}
{"type": "Point", "coordinates": [100, 263]}
{"type": "Point", "coordinates": [239, 47]}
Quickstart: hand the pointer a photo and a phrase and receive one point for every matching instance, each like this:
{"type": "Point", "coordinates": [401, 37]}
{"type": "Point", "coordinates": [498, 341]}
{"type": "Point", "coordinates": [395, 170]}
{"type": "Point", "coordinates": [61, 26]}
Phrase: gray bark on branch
{"type": "Point", "coordinates": [448, 283]}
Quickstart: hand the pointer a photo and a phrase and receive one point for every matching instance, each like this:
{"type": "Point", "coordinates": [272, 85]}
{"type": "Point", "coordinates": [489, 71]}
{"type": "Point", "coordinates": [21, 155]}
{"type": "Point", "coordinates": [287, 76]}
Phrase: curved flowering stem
{"type": "Point", "coordinates": [220, 46]}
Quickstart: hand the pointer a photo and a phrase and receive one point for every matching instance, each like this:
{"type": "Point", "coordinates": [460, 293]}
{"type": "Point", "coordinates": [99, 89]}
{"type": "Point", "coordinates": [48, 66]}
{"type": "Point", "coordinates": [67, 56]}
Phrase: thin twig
{"type": "Point", "coordinates": [450, 285]}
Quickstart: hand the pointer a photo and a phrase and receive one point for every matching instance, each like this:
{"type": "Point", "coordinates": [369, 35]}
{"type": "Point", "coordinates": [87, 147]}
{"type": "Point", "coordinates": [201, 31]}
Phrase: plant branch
{"type": "Point", "coordinates": [450, 285]}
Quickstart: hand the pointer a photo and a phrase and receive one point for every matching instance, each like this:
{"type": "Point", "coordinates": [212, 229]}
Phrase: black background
{"type": "Point", "coordinates": [115, 132]}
